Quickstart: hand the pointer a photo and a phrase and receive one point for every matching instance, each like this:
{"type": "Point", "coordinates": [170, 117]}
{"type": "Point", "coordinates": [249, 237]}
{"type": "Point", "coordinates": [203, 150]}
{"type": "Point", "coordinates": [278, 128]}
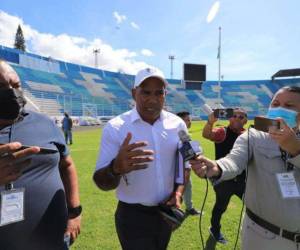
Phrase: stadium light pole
{"type": "Point", "coordinates": [96, 52]}
{"type": "Point", "coordinates": [219, 73]}
{"type": "Point", "coordinates": [171, 57]}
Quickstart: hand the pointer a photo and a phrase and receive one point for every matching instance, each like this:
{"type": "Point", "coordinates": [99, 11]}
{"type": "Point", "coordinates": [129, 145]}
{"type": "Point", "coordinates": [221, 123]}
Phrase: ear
{"type": "Point", "coordinates": [133, 92]}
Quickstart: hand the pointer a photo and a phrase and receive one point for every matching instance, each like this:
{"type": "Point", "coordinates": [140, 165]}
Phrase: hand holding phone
{"type": "Point", "coordinates": [265, 124]}
{"type": "Point", "coordinates": [42, 150]}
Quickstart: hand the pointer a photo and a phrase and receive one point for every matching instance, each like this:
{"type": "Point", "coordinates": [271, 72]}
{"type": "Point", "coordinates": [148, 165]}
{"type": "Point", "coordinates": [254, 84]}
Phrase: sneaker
{"type": "Point", "coordinates": [192, 211]}
{"type": "Point", "coordinates": [218, 237]}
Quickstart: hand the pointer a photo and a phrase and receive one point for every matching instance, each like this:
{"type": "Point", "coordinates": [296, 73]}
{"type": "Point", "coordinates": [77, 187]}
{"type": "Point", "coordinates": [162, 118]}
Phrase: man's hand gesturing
{"type": "Point", "coordinates": [131, 157]}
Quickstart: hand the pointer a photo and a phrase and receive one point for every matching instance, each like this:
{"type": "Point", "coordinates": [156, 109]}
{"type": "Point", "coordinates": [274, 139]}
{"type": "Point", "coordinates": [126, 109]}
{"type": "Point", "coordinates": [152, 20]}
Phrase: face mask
{"type": "Point", "coordinates": [288, 115]}
{"type": "Point", "coordinates": [12, 102]}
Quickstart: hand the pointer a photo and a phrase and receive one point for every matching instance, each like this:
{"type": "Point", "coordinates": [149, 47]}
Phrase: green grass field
{"type": "Point", "coordinates": [98, 231]}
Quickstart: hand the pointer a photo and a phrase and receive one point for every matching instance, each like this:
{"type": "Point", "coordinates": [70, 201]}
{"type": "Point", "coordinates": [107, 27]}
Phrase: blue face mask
{"type": "Point", "coordinates": [288, 115]}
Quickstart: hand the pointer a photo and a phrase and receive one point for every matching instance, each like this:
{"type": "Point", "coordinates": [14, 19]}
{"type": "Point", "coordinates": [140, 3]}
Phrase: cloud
{"type": "Point", "coordinates": [69, 48]}
{"type": "Point", "coordinates": [213, 12]}
{"type": "Point", "coordinates": [119, 18]}
{"type": "Point", "coordinates": [147, 52]}
{"type": "Point", "coordinates": [135, 26]}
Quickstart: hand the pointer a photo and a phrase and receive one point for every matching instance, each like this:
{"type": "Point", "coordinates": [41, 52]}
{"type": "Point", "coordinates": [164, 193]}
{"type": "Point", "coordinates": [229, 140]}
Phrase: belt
{"type": "Point", "coordinates": [138, 206]}
{"type": "Point", "coordinates": [272, 228]}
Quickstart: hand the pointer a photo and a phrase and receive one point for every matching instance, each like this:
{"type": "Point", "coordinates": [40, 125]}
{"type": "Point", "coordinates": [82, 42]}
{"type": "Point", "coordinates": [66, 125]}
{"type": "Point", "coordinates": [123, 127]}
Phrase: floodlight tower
{"type": "Point", "coordinates": [219, 73]}
{"type": "Point", "coordinates": [171, 57]}
{"type": "Point", "coordinates": [96, 52]}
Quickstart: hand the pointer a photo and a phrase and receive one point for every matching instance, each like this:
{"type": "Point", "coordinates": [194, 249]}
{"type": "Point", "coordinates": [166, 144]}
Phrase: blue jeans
{"type": "Point", "coordinates": [68, 136]}
{"type": "Point", "coordinates": [187, 195]}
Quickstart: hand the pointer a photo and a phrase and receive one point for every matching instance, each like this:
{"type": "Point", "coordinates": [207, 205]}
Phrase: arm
{"type": "Point", "coordinates": [70, 181]}
{"type": "Point", "coordinates": [208, 127]}
{"type": "Point", "coordinates": [129, 158]}
{"type": "Point", "coordinates": [176, 197]}
{"type": "Point", "coordinates": [227, 167]}
{"type": "Point", "coordinates": [106, 179]}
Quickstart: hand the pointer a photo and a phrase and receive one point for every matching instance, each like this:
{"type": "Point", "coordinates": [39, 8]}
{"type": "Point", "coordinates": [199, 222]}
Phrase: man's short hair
{"type": "Point", "coordinates": [183, 114]}
{"type": "Point", "coordinates": [294, 89]}
{"type": "Point", "coordinates": [241, 110]}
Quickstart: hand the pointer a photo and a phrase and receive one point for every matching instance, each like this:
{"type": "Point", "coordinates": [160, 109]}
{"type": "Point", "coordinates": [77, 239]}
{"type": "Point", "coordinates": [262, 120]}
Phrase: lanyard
{"type": "Point", "coordinates": [285, 156]}
{"type": "Point", "coordinates": [10, 186]}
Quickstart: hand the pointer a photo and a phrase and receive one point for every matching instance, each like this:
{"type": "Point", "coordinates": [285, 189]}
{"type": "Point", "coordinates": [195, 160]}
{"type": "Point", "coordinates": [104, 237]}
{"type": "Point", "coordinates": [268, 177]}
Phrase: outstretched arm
{"type": "Point", "coordinates": [129, 158]}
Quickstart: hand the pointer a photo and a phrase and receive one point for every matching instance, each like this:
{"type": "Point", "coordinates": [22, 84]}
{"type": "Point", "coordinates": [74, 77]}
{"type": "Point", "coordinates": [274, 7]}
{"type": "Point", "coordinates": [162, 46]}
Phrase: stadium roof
{"type": "Point", "coordinates": [286, 73]}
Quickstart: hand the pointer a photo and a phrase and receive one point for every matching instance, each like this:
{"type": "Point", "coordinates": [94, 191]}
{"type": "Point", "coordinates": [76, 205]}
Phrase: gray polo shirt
{"type": "Point", "coordinates": [45, 205]}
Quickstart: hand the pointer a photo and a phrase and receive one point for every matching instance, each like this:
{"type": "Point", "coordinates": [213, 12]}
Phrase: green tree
{"type": "Point", "coordinates": [19, 39]}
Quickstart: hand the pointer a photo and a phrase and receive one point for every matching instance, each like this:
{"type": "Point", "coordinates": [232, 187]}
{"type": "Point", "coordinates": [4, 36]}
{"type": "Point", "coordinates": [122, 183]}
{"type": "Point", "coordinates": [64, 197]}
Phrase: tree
{"type": "Point", "coordinates": [19, 39]}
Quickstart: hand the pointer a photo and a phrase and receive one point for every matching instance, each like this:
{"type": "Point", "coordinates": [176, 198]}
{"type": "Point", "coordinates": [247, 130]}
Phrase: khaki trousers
{"type": "Point", "coordinates": [255, 237]}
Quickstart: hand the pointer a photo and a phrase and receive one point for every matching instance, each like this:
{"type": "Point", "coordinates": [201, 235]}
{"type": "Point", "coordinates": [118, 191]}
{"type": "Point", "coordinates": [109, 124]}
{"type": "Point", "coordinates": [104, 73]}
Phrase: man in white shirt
{"type": "Point", "coordinates": [137, 157]}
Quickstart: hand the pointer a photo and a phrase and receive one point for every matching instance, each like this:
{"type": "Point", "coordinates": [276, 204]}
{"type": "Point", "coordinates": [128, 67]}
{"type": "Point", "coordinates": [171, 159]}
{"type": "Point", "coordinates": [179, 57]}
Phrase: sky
{"type": "Point", "coordinates": [258, 38]}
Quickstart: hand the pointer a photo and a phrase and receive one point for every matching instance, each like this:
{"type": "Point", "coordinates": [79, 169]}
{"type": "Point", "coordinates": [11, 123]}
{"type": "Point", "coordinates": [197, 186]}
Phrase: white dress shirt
{"type": "Point", "coordinates": [154, 184]}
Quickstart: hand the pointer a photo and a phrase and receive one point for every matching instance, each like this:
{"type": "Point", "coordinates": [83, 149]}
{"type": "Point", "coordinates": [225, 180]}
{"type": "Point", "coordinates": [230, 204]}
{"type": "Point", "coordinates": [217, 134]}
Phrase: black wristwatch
{"type": "Point", "coordinates": [74, 211]}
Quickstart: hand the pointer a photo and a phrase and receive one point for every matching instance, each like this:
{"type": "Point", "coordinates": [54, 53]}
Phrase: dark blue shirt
{"type": "Point", "coordinates": [67, 123]}
{"type": "Point", "coordinates": [45, 203]}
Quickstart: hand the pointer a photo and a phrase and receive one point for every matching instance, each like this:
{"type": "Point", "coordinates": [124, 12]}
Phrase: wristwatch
{"type": "Point", "coordinates": [75, 211]}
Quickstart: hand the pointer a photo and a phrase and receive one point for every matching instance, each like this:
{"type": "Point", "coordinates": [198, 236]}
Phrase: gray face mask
{"type": "Point", "coordinates": [12, 102]}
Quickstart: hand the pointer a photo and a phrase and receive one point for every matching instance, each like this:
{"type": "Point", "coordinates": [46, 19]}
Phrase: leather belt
{"type": "Point", "coordinates": [272, 228]}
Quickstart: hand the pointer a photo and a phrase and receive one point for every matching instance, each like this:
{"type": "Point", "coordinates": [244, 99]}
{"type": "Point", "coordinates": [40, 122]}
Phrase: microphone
{"type": "Point", "coordinates": [189, 149]}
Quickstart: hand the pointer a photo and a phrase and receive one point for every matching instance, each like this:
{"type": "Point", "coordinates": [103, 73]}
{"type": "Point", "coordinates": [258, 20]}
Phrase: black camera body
{"type": "Point", "coordinates": [172, 215]}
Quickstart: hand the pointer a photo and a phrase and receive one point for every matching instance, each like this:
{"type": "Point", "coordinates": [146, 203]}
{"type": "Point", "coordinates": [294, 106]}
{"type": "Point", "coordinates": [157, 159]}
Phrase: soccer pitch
{"type": "Point", "coordinates": [98, 230]}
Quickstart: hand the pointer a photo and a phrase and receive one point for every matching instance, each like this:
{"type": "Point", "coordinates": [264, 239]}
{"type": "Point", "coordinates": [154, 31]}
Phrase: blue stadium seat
{"type": "Point", "coordinates": [74, 86]}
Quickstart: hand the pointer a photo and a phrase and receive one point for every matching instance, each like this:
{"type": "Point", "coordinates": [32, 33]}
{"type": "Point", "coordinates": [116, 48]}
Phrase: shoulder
{"type": "Point", "coordinates": [33, 115]}
{"type": "Point", "coordinates": [119, 121]}
{"type": "Point", "coordinates": [172, 118]}
{"type": "Point", "coordinates": [256, 135]}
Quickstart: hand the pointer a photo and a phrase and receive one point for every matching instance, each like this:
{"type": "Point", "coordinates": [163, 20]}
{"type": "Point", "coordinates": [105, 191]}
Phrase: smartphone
{"type": "Point", "coordinates": [223, 113]}
{"type": "Point", "coordinates": [42, 150]}
{"type": "Point", "coordinates": [263, 123]}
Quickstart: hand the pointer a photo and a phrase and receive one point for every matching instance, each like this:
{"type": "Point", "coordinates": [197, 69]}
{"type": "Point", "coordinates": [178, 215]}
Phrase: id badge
{"type": "Point", "coordinates": [12, 206]}
{"type": "Point", "coordinates": [288, 185]}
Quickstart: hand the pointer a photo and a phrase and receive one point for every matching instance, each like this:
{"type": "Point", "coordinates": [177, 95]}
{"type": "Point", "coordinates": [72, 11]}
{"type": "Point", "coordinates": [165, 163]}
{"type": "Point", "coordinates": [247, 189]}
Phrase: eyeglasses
{"type": "Point", "coordinates": [241, 117]}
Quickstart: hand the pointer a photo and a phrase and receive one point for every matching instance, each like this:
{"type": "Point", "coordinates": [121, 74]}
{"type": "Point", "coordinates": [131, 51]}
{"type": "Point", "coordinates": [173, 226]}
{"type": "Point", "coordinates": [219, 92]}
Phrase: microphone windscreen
{"type": "Point", "coordinates": [183, 136]}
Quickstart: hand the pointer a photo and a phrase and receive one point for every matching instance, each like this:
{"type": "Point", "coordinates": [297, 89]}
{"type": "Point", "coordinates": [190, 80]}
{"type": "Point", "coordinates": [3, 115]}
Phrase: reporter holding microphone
{"type": "Point", "coordinates": [272, 195]}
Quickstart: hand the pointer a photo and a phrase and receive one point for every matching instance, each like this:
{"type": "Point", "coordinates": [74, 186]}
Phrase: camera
{"type": "Point", "coordinates": [172, 215]}
{"type": "Point", "coordinates": [223, 113]}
